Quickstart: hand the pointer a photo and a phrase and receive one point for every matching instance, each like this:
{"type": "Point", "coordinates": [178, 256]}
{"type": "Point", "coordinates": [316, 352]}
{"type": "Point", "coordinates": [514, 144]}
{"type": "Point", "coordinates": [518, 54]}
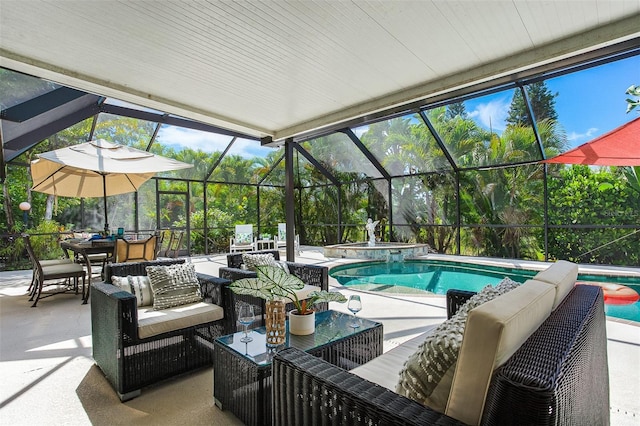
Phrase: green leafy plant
{"type": "Point", "coordinates": [273, 283]}
{"type": "Point", "coordinates": [633, 90]}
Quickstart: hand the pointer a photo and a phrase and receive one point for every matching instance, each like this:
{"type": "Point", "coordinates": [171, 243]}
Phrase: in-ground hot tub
{"type": "Point", "coordinates": [390, 252]}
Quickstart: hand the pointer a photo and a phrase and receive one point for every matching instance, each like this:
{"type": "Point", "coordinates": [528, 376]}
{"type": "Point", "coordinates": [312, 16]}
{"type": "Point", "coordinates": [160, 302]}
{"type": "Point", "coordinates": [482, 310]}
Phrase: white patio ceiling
{"type": "Point", "coordinates": [282, 68]}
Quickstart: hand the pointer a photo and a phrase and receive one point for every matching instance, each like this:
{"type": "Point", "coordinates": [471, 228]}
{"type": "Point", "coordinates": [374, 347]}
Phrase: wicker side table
{"type": "Point", "coordinates": [242, 371]}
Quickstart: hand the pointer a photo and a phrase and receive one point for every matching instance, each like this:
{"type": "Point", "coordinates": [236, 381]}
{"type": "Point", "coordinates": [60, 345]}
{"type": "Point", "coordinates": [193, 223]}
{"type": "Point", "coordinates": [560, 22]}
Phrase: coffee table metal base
{"type": "Point", "coordinates": [242, 385]}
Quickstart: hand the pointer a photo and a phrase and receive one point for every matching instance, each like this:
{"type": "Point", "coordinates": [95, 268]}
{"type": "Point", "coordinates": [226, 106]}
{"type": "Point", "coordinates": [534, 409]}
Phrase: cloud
{"type": "Point", "coordinates": [577, 137]}
{"type": "Point", "coordinates": [492, 115]}
{"type": "Point", "coordinates": [180, 137]}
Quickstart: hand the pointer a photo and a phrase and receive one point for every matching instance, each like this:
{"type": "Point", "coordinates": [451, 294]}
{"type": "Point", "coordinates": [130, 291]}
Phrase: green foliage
{"type": "Point", "coordinates": [502, 209]}
{"type": "Point", "coordinates": [633, 90]}
{"type": "Point", "coordinates": [46, 240]}
{"type": "Point", "coordinates": [542, 102]}
{"type": "Point", "coordinates": [218, 223]}
{"type": "Point", "coordinates": [582, 196]}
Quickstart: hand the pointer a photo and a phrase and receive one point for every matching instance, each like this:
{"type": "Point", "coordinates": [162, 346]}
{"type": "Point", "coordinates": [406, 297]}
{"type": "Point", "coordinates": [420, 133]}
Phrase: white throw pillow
{"type": "Point", "coordinates": [427, 375]}
{"type": "Point", "coordinates": [258, 259]}
{"type": "Point", "coordinates": [140, 286]}
{"type": "Point", "coordinates": [174, 285]}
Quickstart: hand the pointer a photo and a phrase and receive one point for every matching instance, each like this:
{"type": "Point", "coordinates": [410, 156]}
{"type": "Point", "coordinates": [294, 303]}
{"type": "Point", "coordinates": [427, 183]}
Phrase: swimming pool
{"type": "Point", "coordinates": [436, 277]}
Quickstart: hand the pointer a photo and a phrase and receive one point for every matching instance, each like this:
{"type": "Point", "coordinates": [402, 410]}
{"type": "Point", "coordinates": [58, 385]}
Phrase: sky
{"type": "Point", "coordinates": [589, 102]}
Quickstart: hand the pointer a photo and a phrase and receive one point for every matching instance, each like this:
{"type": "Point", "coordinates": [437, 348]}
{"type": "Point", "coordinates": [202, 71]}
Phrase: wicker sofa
{"type": "Point", "coordinates": [314, 277]}
{"type": "Point", "coordinates": [559, 375]}
{"type": "Point", "coordinates": [131, 361]}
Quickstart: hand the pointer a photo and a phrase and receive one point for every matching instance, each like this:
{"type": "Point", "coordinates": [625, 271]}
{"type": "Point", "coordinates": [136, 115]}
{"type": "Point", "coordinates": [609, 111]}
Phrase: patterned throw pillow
{"type": "Point", "coordinates": [427, 375]}
{"type": "Point", "coordinates": [140, 286]}
{"type": "Point", "coordinates": [259, 259]}
{"type": "Point", "coordinates": [243, 238]}
{"type": "Point", "coordinates": [174, 285]}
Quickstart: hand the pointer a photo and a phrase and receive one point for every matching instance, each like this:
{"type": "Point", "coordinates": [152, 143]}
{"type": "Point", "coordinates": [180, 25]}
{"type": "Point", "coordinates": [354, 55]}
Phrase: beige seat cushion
{"type": "Point", "coordinates": [153, 322]}
{"type": "Point", "coordinates": [385, 369]}
{"type": "Point", "coordinates": [562, 275]}
{"type": "Point", "coordinates": [428, 373]}
{"type": "Point", "coordinates": [494, 331]}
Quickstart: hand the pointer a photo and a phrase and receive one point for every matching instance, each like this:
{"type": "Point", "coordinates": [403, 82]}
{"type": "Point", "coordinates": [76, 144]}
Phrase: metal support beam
{"type": "Point", "coordinates": [289, 212]}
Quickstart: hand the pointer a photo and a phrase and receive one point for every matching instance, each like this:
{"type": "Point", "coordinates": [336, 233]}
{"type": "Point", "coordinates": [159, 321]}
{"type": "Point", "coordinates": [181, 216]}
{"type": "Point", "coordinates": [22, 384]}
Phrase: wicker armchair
{"type": "Point", "coordinates": [558, 376]}
{"type": "Point", "coordinates": [130, 362]}
{"type": "Point", "coordinates": [310, 274]}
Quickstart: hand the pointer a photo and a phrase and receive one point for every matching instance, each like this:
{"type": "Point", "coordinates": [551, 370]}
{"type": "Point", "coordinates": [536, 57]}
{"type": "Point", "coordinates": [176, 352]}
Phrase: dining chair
{"type": "Point", "coordinates": [174, 244]}
{"type": "Point", "coordinates": [243, 239]}
{"type": "Point", "coordinates": [48, 262]}
{"type": "Point", "coordinates": [42, 272]}
{"type": "Point", "coordinates": [136, 250]}
{"type": "Point", "coordinates": [281, 238]}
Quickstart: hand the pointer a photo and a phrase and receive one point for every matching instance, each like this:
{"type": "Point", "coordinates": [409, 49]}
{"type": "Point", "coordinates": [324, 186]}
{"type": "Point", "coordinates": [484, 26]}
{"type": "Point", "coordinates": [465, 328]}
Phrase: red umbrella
{"type": "Point", "coordinates": [619, 147]}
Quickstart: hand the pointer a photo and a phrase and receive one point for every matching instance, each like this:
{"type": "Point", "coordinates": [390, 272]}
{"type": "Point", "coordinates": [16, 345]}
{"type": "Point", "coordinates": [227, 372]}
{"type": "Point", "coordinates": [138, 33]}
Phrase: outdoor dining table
{"type": "Point", "coordinates": [85, 248]}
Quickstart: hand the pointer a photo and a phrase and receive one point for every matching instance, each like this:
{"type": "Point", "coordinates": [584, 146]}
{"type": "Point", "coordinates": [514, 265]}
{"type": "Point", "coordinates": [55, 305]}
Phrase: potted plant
{"type": "Point", "coordinates": [274, 283]}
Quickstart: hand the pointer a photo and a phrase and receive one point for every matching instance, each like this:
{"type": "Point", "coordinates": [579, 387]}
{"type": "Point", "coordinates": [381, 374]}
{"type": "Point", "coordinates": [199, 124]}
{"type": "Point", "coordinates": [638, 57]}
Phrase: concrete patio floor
{"type": "Point", "coordinates": [49, 376]}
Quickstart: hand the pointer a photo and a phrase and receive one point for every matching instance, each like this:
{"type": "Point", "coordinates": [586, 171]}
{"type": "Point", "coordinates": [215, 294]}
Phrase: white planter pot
{"type": "Point", "coordinates": [302, 325]}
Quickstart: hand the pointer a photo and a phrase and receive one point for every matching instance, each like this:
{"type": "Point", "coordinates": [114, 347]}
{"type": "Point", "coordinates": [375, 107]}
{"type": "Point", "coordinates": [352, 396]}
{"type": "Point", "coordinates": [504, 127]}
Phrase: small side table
{"type": "Point", "coordinates": [242, 371]}
{"type": "Point", "coordinates": [265, 245]}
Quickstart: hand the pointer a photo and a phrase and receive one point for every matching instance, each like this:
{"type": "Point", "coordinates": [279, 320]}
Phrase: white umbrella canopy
{"type": "Point", "coordinates": [97, 169]}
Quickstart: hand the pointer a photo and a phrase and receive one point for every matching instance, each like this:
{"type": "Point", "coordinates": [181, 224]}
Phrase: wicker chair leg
{"type": "Point", "coordinates": [129, 395]}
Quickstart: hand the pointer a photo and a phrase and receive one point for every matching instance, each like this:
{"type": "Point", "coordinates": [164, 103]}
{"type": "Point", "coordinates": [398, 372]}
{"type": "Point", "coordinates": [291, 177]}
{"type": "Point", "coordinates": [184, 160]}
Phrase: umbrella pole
{"type": "Point", "coordinates": [104, 189]}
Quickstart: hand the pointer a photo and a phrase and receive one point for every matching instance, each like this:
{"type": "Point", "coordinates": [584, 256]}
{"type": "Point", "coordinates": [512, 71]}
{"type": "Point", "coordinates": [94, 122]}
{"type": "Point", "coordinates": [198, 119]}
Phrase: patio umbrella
{"type": "Point", "coordinates": [97, 169]}
{"type": "Point", "coordinates": [619, 147]}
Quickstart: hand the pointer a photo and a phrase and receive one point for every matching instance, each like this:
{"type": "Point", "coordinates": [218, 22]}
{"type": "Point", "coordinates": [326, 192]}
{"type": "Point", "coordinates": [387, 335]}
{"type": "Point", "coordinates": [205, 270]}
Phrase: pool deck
{"type": "Point", "coordinates": [22, 356]}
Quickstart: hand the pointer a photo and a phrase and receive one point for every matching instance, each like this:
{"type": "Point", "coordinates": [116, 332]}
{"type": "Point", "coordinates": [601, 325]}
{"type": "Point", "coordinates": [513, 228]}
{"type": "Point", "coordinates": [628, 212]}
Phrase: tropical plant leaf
{"type": "Point", "coordinates": [279, 281]}
{"type": "Point", "coordinates": [327, 296]}
{"type": "Point", "coordinates": [252, 287]}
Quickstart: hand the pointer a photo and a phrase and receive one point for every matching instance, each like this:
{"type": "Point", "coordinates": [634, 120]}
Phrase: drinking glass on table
{"type": "Point", "coordinates": [246, 317]}
{"type": "Point", "coordinates": [355, 306]}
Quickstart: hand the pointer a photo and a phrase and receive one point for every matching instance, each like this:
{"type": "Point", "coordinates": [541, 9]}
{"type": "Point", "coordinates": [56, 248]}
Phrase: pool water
{"type": "Point", "coordinates": [437, 277]}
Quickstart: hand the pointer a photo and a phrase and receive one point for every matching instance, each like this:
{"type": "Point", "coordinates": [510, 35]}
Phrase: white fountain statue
{"type": "Point", "coordinates": [371, 230]}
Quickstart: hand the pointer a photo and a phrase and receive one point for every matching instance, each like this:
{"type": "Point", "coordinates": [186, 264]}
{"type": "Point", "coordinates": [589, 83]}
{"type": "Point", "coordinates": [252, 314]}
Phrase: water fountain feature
{"type": "Point", "coordinates": [375, 250]}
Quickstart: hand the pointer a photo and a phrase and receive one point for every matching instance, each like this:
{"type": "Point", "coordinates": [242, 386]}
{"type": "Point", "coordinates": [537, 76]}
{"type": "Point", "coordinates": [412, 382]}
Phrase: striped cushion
{"type": "Point", "coordinates": [140, 286]}
{"type": "Point", "coordinates": [174, 285]}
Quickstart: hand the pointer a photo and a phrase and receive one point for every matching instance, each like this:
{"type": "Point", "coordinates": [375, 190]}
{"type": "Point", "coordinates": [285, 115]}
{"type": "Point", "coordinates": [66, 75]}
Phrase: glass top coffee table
{"type": "Point", "coordinates": [242, 371]}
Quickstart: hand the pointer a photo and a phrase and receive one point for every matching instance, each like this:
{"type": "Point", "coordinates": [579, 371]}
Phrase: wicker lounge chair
{"type": "Point", "coordinates": [131, 362]}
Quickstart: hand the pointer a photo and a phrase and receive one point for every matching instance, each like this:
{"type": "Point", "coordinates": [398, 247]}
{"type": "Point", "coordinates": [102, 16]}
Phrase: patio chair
{"type": "Point", "coordinates": [172, 248]}
{"type": "Point", "coordinates": [243, 239]}
{"type": "Point", "coordinates": [65, 271]}
{"type": "Point", "coordinates": [281, 238]}
{"type": "Point", "coordinates": [136, 250]}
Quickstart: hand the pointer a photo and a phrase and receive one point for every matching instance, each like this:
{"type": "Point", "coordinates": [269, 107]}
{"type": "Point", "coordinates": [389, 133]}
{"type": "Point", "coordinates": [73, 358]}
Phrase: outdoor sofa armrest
{"type": "Point", "coordinates": [116, 311]}
{"type": "Point", "coordinates": [455, 299]}
{"type": "Point", "coordinates": [235, 260]}
{"type": "Point", "coordinates": [307, 388]}
{"type": "Point", "coordinates": [135, 268]}
{"type": "Point", "coordinates": [560, 374]}
{"type": "Point", "coordinates": [235, 274]}
{"type": "Point", "coordinates": [311, 274]}
{"type": "Point", "coordinates": [215, 290]}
